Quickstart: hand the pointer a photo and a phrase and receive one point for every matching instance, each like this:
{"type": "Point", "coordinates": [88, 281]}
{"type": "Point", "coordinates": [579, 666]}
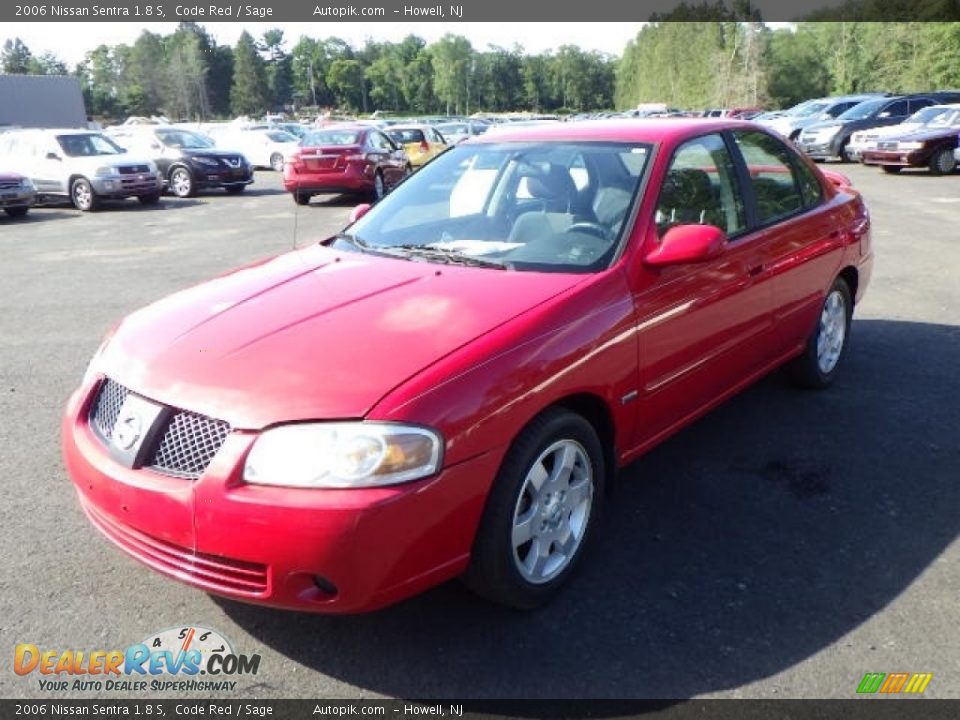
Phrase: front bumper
{"type": "Point", "coordinates": [17, 198]}
{"type": "Point", "coordinates": [124, 186]}
{"type": "Point", "coordinates": [897, 158]}
{"type": "Point", "coordinates": [206, 176]}
{"type": "Point", "coordinates": [268, 545]}
{"type": "Point", "coordinates": [821, 150]}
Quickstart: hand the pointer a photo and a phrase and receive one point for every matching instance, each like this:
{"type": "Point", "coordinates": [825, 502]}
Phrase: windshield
{"type": "Point", "coordinates": [331, 137]}
{"type": "Point", "coordinates": [945, 118]}
{"type": "Point", "coordinates": [406, 136]}
{"type": "Point", "coordinates": [87, 145]}
{"type": "Point", "coordinates": [543, 206]}
{"type": "Point", "coordinates": [183, 140]}
{"type": "Point", "coordinates": [863, 110]}
{"type": "Point", "coordinates": [281, 137]}
{"type": "Point", "coordinates": [807, 108]}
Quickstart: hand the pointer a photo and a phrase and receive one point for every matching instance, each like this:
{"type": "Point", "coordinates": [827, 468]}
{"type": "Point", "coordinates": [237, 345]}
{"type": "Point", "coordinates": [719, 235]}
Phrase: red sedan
{"type": "Point", "coordinates": [447, 387]}
{"type": "Point", "coordinates": [344, 159]}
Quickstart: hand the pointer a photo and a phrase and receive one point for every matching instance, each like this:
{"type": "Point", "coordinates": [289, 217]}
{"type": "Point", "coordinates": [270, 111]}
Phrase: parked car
{"type": "Point", "coordinates": [828, 140]}
{"type": "Point", "coordinates": [81, 166]}
{"type": "Point", "coordinates": [791, 122]}
{"type": "Point", "coordinates": [864, 140]}
{"type": "Point", "coordinates": [297, 129]}
{"type": "Point", "coordinates": [422, 143]}
{"type": "Point", "coordinates": [262, 147]}
{"type": "Point", "coordinates": [344, 159]}
{"type": "Point", "coordinates": [931, 145]}
{"type": "Point", "coordinates": [17, 194]}
{"type": "Point", "coordinates": [447, 386]}
{"type": "Point", "coordinates": [455, 133]}
{"type": "Point", "coordinates": [189, 162]}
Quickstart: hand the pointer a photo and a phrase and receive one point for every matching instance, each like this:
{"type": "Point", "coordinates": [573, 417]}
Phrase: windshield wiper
{"type": "Point", "coordinates": [451, 256]}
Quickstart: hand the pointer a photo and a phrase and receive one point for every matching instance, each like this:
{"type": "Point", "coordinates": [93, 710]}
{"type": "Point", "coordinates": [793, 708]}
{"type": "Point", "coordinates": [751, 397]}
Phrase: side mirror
{"type": "Point", "coordinates": [687, 244]}
{"type": "Point", "coordinates": [52, 156]}
{"type": "Point", "coordinates": [358, 212]}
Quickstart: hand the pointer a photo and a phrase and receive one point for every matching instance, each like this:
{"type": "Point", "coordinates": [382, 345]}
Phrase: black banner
{"type": "Point", "coordinates": [419, 11]}
{"type": "Point", "coordinates": [861, 709]}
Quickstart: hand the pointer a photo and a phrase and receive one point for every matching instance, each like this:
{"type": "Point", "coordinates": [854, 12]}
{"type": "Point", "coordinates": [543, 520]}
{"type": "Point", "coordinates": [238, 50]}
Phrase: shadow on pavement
{"type": "Point", "coordinates": [742, 546]}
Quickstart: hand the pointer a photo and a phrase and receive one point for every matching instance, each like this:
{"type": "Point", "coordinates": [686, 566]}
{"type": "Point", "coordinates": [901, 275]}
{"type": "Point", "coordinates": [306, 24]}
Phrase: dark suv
{"type": "Point", "coordinates": [189, 161]}
{"type": "Point", "coordinates": [828, 140]}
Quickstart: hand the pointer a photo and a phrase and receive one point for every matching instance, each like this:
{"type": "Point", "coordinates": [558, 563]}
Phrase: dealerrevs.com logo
{"type": "Point", "coordinates": [170, 660]}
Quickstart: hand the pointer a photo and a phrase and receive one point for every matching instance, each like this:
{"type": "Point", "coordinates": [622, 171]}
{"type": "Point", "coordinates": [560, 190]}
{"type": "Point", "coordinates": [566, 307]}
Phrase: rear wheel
{"type": "Point", "coordinates": [891, 169]}
{"type": "Point", "coordinates": [540, 512]}
{"type": "Point", "coordinates": [301, 198]}
{"type": "Point", "coordinates": [83, 197]}
{"type": "Point", "coordinates": [943, 162]}
{"type": "Point", "coordinates": [817, 367]}
{"type": "Point", "coordinates": [17, 211]}
{"type": "Point", "coordinates": [276, 162]}
{"type": "Point", "coordinates": [181, 183]}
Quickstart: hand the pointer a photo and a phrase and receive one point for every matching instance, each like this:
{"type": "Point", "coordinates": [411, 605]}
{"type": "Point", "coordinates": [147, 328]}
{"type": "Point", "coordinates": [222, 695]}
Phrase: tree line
{"type": "Point", "coordinates": [694, 57]}
{"type": "Point", "coordinates": [186, 74]}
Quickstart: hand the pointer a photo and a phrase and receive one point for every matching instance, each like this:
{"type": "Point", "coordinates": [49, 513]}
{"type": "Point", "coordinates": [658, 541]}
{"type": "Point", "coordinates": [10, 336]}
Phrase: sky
{"type": "Point", "coordinates": [62, 38]}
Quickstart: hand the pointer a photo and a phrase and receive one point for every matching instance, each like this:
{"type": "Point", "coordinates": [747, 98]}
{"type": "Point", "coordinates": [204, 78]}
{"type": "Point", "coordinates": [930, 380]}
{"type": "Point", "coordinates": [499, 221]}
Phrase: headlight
{"type": "Point", "coordinates": [105, 171]}
{"type": "Point", "coordinates": [914, 145]}
{"type": "Point", "coordinates": [206, 161]}
{"type": "Point", "coordinates": [343, 455]}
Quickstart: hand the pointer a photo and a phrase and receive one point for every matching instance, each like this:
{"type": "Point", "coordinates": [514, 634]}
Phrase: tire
{"type": "Point", "coordinates": [17, 211]}
{"type": "Point", "coordinates": [83, 197]}
{"type": "Point", "coordinates": [235, 189]}
{"type": "Point", "coordinates": [520, 521]}
{"type": "Point", "coordinates": [891, 169]}
{"type": "Point", "coordinates": [379, 189]}
{"type": "Point", "coordinates": [843, 152]}
{"type": "Point", "coordinates": [301, 198]}
{"type": "Point", "coordinates": [276, 162]}
{"type": "Point", "coordinates": [151, 199]}
{"type": "Point", "coordinates": [817, 366]}
{"type": "Point", "coordinates": [943, 162]}
{"type": "Point", "coordinates": [181, 183]}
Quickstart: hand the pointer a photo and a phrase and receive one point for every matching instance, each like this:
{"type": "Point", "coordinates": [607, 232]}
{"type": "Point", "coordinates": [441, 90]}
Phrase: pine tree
{"type": "Point", "coordinates": [250, 92]}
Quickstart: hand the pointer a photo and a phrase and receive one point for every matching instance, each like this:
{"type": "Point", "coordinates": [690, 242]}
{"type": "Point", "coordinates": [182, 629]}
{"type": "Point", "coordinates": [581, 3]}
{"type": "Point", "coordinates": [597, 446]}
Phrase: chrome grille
{"type": "Point", "coordinates": [188, 445]}
{"type": "Point", "coordinates": [887, 145]}
{"type": "Point", "coordinates": [9, 184]}
{"type": "Point", "coordinates": [107, 407]}
{"type": "Point", "coordinates": [188, 442]}
{"type": "Point", "coordinates": [133, 169]}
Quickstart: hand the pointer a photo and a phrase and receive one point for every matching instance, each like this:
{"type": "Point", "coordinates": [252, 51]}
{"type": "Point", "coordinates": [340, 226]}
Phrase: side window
{"type": "Point", "coordinates": [919, 104]}
{"type": "Point", "coordinates": [772, 175]}
{"type": "Point", "coordinates": [897, 109]}
{"type": "Point", "coordinates": [701, 188]}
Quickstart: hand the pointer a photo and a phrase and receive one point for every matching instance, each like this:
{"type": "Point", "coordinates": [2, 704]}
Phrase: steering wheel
{"type": "Point", "coordinates": [590, 228]}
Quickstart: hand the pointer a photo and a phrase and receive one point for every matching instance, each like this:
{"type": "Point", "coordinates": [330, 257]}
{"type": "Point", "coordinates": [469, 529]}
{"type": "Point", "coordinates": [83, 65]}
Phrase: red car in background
{"type": "Point", "coordinates": [344, 159]}
{"type": "Point", "coordinates": [448, 386]}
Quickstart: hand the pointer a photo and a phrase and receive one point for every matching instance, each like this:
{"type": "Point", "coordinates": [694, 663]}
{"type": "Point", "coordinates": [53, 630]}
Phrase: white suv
{"type": "Point", "coordinates": [81, 165]}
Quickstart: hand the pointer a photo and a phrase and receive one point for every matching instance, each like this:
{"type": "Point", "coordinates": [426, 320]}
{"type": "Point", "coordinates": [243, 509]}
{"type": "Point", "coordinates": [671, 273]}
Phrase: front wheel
{"type": "Point", "coordinates": [301, 198]}
{"type": "Point", "coordinates": [276, 162]}
{"type": "Point", "coordinates": [83, 196]}
{"type": "Point", "coordinates": [540, 512]}
{"type": "Point", "coordinates": [817, 366]}
{"type": "Point", "coordinates": [943, 162]}
{"type": "Point", "coordinates": [181, 183]}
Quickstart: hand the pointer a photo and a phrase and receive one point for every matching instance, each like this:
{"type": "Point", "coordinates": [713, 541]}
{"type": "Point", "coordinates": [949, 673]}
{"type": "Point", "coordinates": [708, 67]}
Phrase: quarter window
{"type": "Point", "coordinates": [701, 188]}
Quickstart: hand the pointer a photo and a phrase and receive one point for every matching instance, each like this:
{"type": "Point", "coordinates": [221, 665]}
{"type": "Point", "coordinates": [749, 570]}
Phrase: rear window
{"type": "Point", "coordinates": [406, 136]}
{"type": "Point", "coordinates": [332, 137]}
{"type": "Point", "coordinates": [281, 137]}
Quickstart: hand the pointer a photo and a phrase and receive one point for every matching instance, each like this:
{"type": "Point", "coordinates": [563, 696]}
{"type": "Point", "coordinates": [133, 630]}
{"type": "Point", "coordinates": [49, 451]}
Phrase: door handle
{"type": "Point", "coordinates": [755, 270]}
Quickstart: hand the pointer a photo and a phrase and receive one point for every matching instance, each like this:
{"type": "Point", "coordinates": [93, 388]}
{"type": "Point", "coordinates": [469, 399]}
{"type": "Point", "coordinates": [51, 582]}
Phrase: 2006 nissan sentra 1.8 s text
{"type": "Point", "coordinates": [447, 387]}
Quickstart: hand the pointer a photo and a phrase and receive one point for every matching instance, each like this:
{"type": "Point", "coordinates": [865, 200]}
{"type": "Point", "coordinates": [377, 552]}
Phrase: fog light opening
{"type": "Point", "coordinates": [325, 586]}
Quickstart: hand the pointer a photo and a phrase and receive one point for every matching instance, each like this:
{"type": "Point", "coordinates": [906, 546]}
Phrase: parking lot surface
{"type": "Point", "coordinates": [783, 546]}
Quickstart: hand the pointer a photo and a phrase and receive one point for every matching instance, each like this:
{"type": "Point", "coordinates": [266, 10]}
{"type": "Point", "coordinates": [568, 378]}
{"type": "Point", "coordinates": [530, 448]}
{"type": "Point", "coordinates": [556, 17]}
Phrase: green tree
{"type": "Point", "coordinates": [15, 57]}
{"type": "Point", "coordinates": [250, 93]}
{"type": "Point", "coordinates": [450, 57]}
{"type": "Point", "coordinates": [279, 68]}
{"type": "Point", "coordinates": [346, 80]}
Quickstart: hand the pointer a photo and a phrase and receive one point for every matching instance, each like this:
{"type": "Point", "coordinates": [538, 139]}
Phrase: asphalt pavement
{"type": "Point", "coordinates": [783, 546]}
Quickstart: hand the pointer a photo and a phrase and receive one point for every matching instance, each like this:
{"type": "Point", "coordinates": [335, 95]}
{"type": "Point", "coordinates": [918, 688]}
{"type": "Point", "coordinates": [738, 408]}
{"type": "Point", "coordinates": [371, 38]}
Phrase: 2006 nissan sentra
{"type": "Point", "coordinates": [447, 387]}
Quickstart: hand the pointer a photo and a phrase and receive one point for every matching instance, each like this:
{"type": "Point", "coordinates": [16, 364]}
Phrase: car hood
{"type": "Point", "coordinates": [925, 133]}
{"type": "Point", "coordinates": [210, 152]}
{"type": "Point", "coordinates": [312, 334]}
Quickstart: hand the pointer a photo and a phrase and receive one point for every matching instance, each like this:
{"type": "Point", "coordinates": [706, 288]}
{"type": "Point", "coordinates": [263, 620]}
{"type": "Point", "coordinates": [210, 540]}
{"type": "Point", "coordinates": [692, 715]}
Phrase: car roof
{"type": "Point", "coordinates": [614, 130]}
{"type": "Point", "coordinates": [411, 126]}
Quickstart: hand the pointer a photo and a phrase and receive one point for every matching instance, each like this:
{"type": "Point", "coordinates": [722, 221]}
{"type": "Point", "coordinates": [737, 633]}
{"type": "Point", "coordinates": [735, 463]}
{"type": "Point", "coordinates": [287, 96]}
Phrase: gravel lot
{"type": "Point", "coordinates": [783, 546]}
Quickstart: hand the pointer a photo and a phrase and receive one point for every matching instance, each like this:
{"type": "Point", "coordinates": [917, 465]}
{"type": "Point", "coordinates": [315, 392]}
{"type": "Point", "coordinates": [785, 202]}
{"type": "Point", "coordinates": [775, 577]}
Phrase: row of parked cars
{"type": "Point", "coordinates": [88, 167]}
{"type": "Point", "coordinates": [892, 131]}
